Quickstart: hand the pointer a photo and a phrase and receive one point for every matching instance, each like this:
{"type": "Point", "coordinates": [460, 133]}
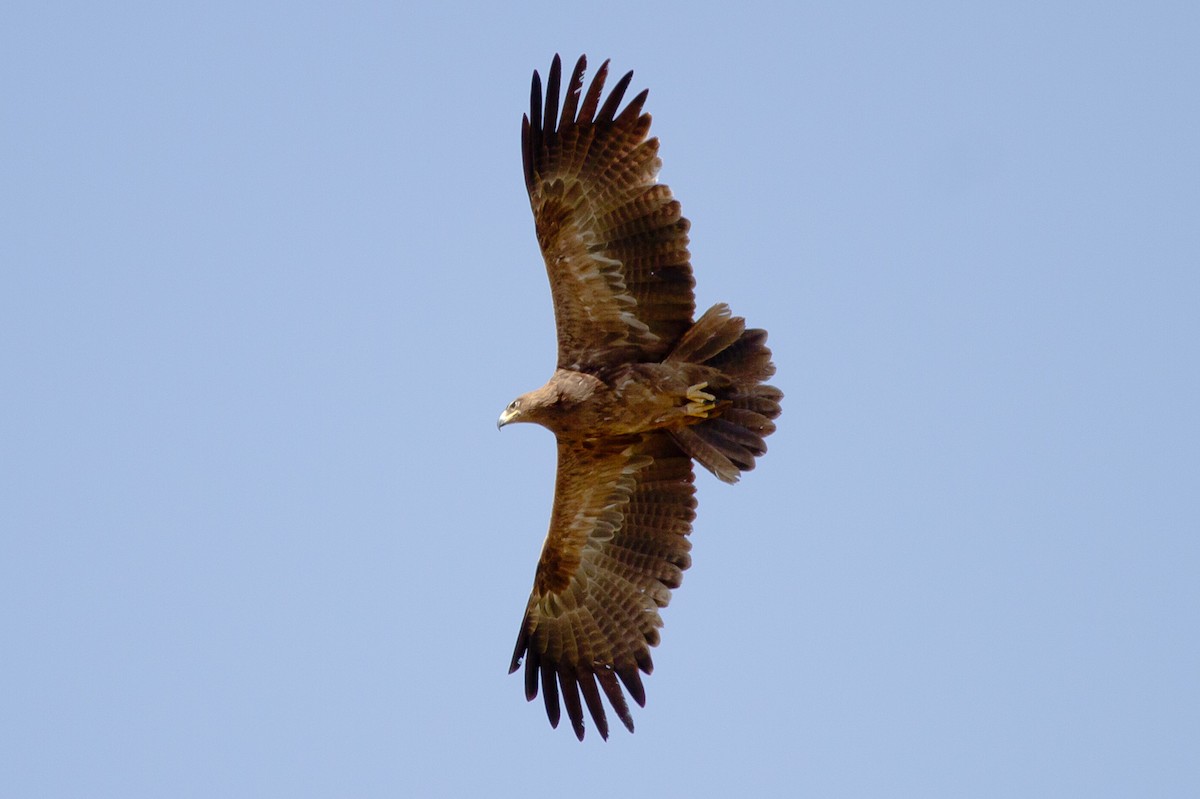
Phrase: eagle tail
{"type": "Point", "coordinates": [728, 441]}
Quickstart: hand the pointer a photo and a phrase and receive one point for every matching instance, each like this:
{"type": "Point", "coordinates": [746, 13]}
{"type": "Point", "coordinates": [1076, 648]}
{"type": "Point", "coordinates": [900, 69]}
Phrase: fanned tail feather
{"type": "Point", "coordinates": [728, 442]}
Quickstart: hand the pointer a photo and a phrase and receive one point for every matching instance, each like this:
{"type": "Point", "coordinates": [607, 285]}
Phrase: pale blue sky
{"type": "Point", "coordinates": [268, 275]}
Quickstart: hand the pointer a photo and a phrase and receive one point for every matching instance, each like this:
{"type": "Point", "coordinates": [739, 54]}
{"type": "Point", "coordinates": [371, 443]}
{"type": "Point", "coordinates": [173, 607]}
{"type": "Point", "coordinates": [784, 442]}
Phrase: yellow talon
{"type": "Point", "coordinates": [700, 402]}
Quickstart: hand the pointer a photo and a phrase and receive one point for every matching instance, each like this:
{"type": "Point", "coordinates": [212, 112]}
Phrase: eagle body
{"type": "Point", "coordinates": [640, 391]}
{"type": "Point", "coordinates": [629, 399]}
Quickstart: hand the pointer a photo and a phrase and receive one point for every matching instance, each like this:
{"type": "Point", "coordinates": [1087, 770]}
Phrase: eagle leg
{"type": "Point", "coordinates": [700, 402]}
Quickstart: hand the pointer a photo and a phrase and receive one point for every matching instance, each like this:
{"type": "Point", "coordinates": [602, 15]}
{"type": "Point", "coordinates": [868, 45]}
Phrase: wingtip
{"type": "Point", "coordinates": [609, 110]}
{"type": "Point", "coordinates": [633, 684]}
{"type": "Point", "coordinates": [521, 646]}
{"type": "Point", "coordinates": [553, 79]}
{"type": "Point", "coordinates": [550, 696]}
{"type": "Point", "coordinates": [535, 99]}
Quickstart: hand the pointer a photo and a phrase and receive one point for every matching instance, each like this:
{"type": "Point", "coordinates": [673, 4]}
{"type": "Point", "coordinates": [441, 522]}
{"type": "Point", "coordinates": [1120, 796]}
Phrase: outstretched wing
{"type": "Point", "coordinates": [617, 546]}
{"type": "Point", "coordinates": [614, 240]}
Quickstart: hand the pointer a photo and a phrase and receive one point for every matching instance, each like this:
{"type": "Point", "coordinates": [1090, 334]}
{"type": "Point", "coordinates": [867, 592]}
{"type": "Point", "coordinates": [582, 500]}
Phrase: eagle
{"type": "Point", "coordinates": [641, 389]}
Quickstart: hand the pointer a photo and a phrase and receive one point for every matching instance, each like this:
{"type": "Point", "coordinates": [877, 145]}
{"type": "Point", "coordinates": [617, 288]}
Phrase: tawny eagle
{"type": "Point", "coordinates": [639, 391]}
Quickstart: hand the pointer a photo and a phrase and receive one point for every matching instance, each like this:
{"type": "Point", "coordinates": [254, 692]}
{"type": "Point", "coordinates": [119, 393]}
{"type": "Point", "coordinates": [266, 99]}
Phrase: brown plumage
{"type": "Point", "coordinates": [640, 390]}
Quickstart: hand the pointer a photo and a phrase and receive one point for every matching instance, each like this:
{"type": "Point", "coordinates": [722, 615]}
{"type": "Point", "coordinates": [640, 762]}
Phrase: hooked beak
{"type": "Point", "coordinates": [506, 417]}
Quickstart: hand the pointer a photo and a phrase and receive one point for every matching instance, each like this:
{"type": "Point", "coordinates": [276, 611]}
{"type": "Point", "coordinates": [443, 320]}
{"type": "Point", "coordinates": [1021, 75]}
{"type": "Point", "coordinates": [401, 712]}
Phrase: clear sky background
{"type": "Point", "coordinates": [268, 276]}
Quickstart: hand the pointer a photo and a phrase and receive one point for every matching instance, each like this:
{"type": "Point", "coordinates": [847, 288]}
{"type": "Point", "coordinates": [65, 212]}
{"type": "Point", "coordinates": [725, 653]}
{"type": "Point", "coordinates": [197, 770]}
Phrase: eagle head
{"type": "Point", "coordinates": [552, 404]}
{"type": "Point", "coordinates": [535, 406]}
{"type": "Point", "coordinates": [513, 412]}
